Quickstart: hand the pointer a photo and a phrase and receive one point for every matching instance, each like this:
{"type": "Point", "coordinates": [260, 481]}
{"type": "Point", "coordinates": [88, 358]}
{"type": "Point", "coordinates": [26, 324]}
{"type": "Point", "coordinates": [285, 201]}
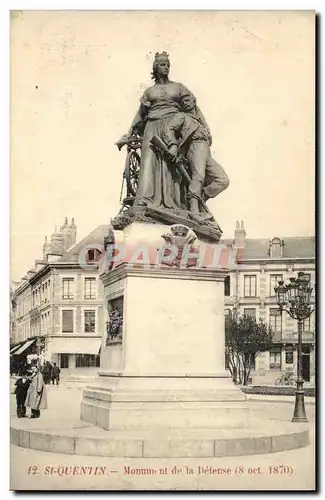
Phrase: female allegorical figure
{"type": "Point", "coordinates": [159, 182]}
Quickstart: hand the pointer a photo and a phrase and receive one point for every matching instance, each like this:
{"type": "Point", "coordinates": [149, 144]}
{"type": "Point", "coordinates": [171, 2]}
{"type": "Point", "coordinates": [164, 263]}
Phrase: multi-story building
{"type": "Point", "coordinates": [61, 301]}
{"type": "Point", "coordinates": [261, 263]}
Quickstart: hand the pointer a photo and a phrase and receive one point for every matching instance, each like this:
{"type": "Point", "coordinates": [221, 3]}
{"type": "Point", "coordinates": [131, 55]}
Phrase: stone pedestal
{"type": "Point", "coordinates": [168, 370]}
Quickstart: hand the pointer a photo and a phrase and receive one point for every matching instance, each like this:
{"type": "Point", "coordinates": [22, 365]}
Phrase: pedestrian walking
{"type": "Point", "coordinates": [36, 396]}
{"type": "Point", "coordinates": [21, 389]}
{"type": "Point", "coordinates": [47, 369]}
{"type": "Point", "coordinates": [55, 374]}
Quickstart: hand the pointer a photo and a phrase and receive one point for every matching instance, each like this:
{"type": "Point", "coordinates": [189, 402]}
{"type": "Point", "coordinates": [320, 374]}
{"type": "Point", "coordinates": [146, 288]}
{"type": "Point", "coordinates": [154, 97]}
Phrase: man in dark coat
{"type": "Point", "coordinates": [55, 374]}
{"type": "Point", "coordinates": [21, 388]}
{"type": "Point", "coordinates": [47, 372]}
{"type": "Point", "coordinates": [188, 132]}
{"type": "Point", "coordinates": [37, 395]}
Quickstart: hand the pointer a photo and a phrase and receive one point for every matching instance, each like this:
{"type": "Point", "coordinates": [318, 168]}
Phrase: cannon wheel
{"type": "Point", "coordinates": [131, 172]}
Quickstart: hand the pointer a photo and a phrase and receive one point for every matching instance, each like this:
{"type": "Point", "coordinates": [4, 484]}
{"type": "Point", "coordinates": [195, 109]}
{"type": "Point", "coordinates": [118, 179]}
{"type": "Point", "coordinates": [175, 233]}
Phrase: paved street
{"type": "Point", "coordinates": [31, 469]}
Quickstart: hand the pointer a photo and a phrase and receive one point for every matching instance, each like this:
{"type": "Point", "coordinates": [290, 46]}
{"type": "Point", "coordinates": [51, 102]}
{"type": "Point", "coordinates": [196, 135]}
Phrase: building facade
{"type": "Point", "coordinates": [261, 264]}
{"type": "Point", "coordinates": [61, 301]}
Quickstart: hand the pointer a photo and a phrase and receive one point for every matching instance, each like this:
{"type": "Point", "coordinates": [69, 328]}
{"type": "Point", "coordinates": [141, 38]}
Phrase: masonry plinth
{"type": "Point", "coordinates": [168, 369]}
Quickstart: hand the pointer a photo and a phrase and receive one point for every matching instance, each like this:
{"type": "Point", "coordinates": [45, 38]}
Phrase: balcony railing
{"type": "Point", "coordinates": [292, 337]}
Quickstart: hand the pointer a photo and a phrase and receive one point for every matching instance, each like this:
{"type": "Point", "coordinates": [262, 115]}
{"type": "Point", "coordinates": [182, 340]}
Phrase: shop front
{"type": "Point", "coordinates": [75, 355]}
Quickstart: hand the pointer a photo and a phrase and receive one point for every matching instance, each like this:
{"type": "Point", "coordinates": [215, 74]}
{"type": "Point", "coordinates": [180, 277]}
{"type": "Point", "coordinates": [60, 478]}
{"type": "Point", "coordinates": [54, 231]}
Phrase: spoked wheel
{"type": "Point", "coordinates": [278, 381]}
{"type": "Point", "coordinates": [292, 382]}
{"type": "Point", "coordinates": [131, 172]}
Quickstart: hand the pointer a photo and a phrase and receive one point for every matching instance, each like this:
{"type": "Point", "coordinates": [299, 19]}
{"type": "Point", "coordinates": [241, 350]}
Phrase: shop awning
{"type": "Point", "coordinates": [25, 346]}
{"type": "Point", "coordinates": [77, 345]}
{"type": "Point", "coordinates": [15, 348]}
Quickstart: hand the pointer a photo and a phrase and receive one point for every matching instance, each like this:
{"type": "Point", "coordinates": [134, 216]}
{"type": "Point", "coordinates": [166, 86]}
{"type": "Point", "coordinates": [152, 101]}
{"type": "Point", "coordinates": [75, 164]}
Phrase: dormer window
{"type": "Point", "coordinates": [276, 245]}
{"type": "Point", "coordinates": [93, 255]}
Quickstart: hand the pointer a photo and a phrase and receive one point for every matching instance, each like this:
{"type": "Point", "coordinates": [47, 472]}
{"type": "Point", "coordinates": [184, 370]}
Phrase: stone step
{"type": "Point", "coordinates": [75, 437]}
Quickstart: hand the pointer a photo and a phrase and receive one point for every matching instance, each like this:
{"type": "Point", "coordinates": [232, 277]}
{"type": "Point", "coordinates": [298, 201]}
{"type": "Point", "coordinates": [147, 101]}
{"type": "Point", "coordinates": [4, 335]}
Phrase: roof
{"type": "Point", "coordinates": [293, 247]}
{"type": "Point", "coordinates": [95, 238]}
{"type": "Point", "coordinates": [255, 248]}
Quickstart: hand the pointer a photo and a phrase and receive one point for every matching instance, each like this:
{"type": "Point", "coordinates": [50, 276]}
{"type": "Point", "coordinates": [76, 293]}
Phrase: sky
{"type": "Point", "coordinates": [76, 81]}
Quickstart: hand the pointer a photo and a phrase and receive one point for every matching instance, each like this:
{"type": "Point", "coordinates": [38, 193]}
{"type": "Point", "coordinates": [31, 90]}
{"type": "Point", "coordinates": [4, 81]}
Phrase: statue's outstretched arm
{"type": "Point", "coordinates": [138, 120]}
{"type": "Point", "coordinates": [136, 126]}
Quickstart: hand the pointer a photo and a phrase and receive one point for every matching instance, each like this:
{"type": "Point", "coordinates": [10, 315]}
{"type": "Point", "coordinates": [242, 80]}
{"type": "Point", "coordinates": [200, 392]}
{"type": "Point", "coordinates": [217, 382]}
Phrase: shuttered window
{"type": "Point", "coordinates": [90, 321]}
{"type": "Point", "coordinates": [250, 311]}
{"type": "Point", "coordinates": [67, 321]}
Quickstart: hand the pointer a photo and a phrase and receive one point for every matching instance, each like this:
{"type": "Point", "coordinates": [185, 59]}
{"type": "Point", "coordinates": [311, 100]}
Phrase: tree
{"type": "Point", "coordinates": [245, 339]}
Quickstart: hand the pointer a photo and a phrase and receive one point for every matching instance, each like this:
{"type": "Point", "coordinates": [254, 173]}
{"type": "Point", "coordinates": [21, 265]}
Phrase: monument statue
{"type": "Point", "coordinates": [176, 173]}
{"type": "Point", "coordinates": [163, 390]}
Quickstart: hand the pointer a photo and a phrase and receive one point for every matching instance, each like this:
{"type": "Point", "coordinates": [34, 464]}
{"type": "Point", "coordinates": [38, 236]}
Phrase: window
{"type": "Point", "coordinates": [87, 360]}
{"type": "Point", "coordinates": [306, 325]}
{"type": "Point", "coordinates": [276, 248]}
{"type": "Point", "coordinates": [275, 358]}
{"type": "Point", "coordinates": [90, 321]}
{"type": "Point", "coordinates": [67, 288]}
{"type": "Point", "coordinates": [64, 360]}
{"type": "Point", "coordinates": [228, 313]}
{"type": "Point", "coordinates": [227, 285]}
{"type": "Point", "coordinates": [250, 312]}
{"type": "Point", "coordinates": [289, 354]}
{"type": "Point", "coordinates": [274, 280]}
{"type": "Point", "coordinates": [275, 320]}
{"type": "Point", "coordinates": [67, 321]}
{"type": "Point", "coordinates": [250, 286]}
{"type": "Point", "coordinates": [90, 288]}
{"type": "Point", "coordinates": [93, 255]}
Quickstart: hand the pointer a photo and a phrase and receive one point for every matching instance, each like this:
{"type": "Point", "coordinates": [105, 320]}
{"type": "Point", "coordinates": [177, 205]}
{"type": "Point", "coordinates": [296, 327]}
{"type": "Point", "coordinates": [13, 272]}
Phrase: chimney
{"type": "Point", "coordinates": [240, 234]}
{"type": "Point", "coordinates": [39, 264]}
{"type": "Point", "coordinates": [46, 248]}
{"type": "Point", "coordinates": [73, 232]}
{"type": "Point", "coordinates": [53, 257]}
{"type": "Point", "coordinates": [57, 246]}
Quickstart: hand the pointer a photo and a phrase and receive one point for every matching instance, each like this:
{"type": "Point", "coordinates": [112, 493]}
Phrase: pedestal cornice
{"type": "Point", "coordinates": [128, 270]}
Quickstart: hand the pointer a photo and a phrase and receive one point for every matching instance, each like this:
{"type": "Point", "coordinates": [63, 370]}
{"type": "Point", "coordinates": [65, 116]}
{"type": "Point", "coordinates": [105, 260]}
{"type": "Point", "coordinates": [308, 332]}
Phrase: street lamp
{"type": "Point", "coordinates": [294, 298]}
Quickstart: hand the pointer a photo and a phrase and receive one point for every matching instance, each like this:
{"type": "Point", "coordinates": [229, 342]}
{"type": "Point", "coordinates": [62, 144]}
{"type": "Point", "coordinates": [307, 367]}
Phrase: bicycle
{"type": "Point", "coordinates": [286, 379]}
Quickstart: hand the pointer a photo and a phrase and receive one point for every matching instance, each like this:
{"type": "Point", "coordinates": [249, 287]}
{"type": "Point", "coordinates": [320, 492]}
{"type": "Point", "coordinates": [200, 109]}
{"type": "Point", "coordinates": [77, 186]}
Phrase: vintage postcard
{"type": "Point", "coordinates": [162, 302]}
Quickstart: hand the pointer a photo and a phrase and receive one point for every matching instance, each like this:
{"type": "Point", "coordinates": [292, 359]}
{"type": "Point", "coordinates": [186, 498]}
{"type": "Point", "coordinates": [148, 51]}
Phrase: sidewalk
{"type": "Point", "coordinates": [64, 406]}
{"type": "Point", "coordinates": [79, 383]}
{"type": "Point", "coordinates": [64, 409]}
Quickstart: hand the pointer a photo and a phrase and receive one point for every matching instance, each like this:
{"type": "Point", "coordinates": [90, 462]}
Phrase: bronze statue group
{"type": "Point", "coordinates": [169, 111]}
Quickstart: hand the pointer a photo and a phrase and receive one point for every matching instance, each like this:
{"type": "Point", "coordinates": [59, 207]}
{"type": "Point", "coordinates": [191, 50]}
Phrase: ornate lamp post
{"type": "Point", "coordinates": [294, 298]}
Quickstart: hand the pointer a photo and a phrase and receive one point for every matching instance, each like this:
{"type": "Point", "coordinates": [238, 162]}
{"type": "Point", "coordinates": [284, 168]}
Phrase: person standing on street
{"type": "Point", "coordinates": [21, 389]}
{"type": "Point", "coordinates": [36, 396]}
{"type": "Point", "coordinates": [55, 374]}
{"type": "Point", "coordinates": [47, 369]}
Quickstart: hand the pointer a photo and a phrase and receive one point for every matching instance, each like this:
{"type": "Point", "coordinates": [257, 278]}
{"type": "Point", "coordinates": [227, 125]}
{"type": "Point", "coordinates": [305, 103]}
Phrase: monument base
{"type": "Point", "coordinates": [156, 403]}
{"type": "Point", "coordinates": [169, 371]}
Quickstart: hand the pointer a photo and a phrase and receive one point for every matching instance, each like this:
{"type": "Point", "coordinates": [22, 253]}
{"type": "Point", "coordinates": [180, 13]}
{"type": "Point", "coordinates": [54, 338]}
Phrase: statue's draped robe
{"type": "Point", "coordinates": [159, 182]}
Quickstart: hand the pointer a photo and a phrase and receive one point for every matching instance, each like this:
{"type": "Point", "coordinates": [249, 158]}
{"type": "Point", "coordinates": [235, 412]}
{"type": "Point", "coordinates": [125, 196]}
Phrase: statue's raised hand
{"type": "Point", "coordinates": [122, 141]}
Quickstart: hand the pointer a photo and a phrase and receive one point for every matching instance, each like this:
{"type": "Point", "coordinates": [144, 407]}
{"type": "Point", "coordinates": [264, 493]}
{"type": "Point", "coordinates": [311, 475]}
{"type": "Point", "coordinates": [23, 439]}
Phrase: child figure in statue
{"type": "Point", "coordinates": [188, 133]}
